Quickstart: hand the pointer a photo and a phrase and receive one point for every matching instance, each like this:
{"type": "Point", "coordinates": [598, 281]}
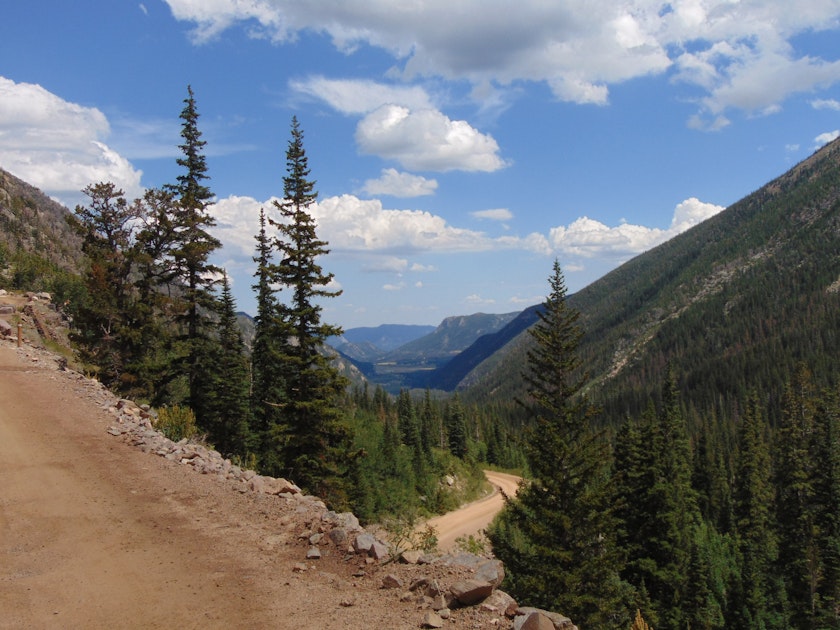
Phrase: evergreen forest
{"type": "Point", "coordinates": [677, 422]}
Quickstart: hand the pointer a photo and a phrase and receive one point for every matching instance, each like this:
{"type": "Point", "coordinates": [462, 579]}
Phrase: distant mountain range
{"type": "Point", "coordinates": [406, 356]}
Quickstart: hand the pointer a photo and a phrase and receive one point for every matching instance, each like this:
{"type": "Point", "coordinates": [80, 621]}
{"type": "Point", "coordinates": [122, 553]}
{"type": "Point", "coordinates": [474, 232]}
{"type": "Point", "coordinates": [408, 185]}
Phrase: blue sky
{"type": "Point", "coordinates": [458, 146]}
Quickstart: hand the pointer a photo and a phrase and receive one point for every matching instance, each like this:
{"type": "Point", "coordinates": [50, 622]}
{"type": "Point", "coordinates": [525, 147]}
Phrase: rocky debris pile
{"type": "Point", "coordinates": [454, 590]}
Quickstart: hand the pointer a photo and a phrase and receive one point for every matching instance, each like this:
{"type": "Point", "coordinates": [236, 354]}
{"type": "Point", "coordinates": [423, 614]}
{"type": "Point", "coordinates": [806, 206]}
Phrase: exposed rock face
{"type": "Point", "coordinates": [535, 617]}
{"type": "Point", "coordinates": [469, 592]}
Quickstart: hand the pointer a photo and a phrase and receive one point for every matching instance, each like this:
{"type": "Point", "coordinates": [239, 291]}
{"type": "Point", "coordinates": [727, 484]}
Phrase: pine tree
{"type": "Point", "coordinates": [227, 407]}
{"type": "Point", "coordinates": [104, 321]}
{"type": "Point", "coordinates": [681, 514]}
{"type": "Point", "coordinates": [268, 388]}
{"type": "Point", "coordinates": [754, 522]}
{"type": "Point", "coordinates": [456, 427]}
{"type": "Point", "coordinates": [429, 425]}
{"type": "Point", "coordinates": [557, 537]}
{"type": "Point", "coordinates": [316, 441]}
{"type": "Point", "coordinates": [156, 277]}
{"type": "Point", "coordinates": [796, 515]}
{"type": "Point", "coordinates": [633, 476]}
{"type": "Point", "coordinates": [669, 548]}
{"type": "Point", "coordinates": [191, 252]}
{"type": "Point", "coordinates": [410, 432]}
{"type": "Point", "coordinates": [827, 487]}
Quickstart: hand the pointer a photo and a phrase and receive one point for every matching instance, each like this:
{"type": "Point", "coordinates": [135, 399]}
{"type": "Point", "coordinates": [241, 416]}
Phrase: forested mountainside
{"type": "Point", "coordinates": [425, 361]}
{"type": "Point", "coordinates": [732, 305]}
{"type": "Point", "coordinates": [35, 239]}
{"type": "Point", "coordinates": [367, 343]}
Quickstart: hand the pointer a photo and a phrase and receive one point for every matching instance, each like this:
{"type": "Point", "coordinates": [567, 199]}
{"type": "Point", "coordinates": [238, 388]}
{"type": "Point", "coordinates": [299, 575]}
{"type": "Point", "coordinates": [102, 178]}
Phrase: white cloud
{"type": "Point", "coordinates": [829, 103]}
{"type": "Point", "coordinates": [387, 264]}
{"type": "Point", "coordinates": [58, 146]}
{"type": "Point", "coordinates": [358, 97]}
{"type": "Point", "coordinates": [590, 238]}
{"type": "Point", "coordinates": [495, 214]}
{"type": "Point", "coordinates": [385, 239]}
{"type": "Point", "coordinates": [426, 140]}
{"type": "Point", "coordinates": [398, 184]}
{"type": "Point", "coordinates": [742, 54]}
{"type": "Point", "coordinates": [825, 138]}
{"type": "Point", "coordinates": [689, 213]}
{"type": "Point", "coordinates": [364, 226]}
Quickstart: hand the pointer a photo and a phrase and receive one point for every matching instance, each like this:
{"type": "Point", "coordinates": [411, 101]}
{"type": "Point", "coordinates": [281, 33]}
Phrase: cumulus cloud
{"type": "Point", "coordinates": [426, 140]}
{"type": "Point", "coordinates": [579, 49]}
{"type": "Point", "coordinates": [58, 146]}
{"type": "Point", "coordinates": [387, 238]}
{"type": "Point", "coordinates": [590, 238]}
{"type": "Point", "coordinates": [400, 123]}
{"type": "Point", "coordinates": [825, 138]}
{"type": "Point", "coordinates": [364, 226]}
{"type": "Point", "coordinates": [398, 184]}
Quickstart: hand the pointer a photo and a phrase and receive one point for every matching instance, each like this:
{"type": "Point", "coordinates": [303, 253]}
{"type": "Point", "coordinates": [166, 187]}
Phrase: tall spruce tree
{"type": "Point", "coordinates": [316, 438]}
{"type": "Point", "coordinates": [827, 487]}
{"type": "Point", "coordinates": [557, 538]}
{"type": "Point", "coordinates": [754, 503]}
{"type": "Point", "coordinates": [268, 388]}
{"type": "Point", "coordinates": [796, 505]}
{"type": "Point", "coordinates": [456, 427]}
{"type": "Point", "coordinates": [157, 277]}
{"type": "Point", "coordinates": [191, 253]}
{"type": "Point", "coordinates": [227, 407]}
{"type": "Point", "coordinates": [660, 515]}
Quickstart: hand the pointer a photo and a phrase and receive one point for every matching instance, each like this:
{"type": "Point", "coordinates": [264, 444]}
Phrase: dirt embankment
{"type": "Point", "coordinates": [97, 534]}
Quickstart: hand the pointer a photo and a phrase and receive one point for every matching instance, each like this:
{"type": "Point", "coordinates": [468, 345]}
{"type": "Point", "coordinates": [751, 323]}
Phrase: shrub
{"type": "Point", "coordinates": [176, 422]}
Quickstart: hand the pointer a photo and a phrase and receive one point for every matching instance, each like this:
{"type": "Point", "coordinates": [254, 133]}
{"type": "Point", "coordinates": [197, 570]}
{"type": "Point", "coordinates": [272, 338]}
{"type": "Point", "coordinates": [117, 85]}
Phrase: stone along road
{"type": "Point", "coordinates": [95, 533]}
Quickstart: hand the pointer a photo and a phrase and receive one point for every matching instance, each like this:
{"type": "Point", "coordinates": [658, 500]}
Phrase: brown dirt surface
{"type": "Point", "coordinates": [95, 533]}
{"type": "Point", "coordinates": [472, 519]}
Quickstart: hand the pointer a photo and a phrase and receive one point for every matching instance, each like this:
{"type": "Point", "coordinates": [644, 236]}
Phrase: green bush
{"type": "Point", "coordinates": [176, 422]}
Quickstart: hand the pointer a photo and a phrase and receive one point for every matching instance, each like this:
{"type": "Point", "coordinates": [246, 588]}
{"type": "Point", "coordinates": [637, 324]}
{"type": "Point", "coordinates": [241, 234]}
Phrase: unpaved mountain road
{"type": "Point", "coordinates": [475, 517]}
{"type": "Point", "coordinates": [95, 533]}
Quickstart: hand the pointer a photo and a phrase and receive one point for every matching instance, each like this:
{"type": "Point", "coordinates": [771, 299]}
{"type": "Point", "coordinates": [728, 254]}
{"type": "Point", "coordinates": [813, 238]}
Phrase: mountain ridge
{"type": "Point", "coordinates": [739, 294]}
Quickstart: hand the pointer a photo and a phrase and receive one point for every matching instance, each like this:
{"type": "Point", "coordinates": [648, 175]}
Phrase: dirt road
{"type": "Point", "coordinates": [473, 518]}
{"type": "Point", "coordinates": [95, 533]}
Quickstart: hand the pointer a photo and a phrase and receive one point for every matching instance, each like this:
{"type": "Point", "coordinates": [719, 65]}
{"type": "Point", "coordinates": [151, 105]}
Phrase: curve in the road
{"type": "Point", "coordinates": [474, 517]}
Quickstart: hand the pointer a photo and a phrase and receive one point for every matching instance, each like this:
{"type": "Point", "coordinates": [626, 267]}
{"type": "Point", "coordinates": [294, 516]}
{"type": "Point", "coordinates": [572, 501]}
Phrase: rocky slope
{"type": "Point", "coordinates": [230, 546]}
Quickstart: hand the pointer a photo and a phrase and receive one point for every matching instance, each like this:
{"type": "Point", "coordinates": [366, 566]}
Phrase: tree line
{"type": "Point", "coordinates": [156, 321]}
{"type": "Point", "coordinates": [735, 524]}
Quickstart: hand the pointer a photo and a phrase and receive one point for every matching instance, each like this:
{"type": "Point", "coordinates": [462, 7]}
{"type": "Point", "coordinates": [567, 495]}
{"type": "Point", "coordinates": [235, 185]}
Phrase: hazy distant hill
{"type": "Point", "coordinates": [732, 304]}
{"type": "Point", "coordinates": [405, 365]}
{"type": "Point", "coordinates": [448, 376]}
{"type": "Point", "coordinates": [371, 343]}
